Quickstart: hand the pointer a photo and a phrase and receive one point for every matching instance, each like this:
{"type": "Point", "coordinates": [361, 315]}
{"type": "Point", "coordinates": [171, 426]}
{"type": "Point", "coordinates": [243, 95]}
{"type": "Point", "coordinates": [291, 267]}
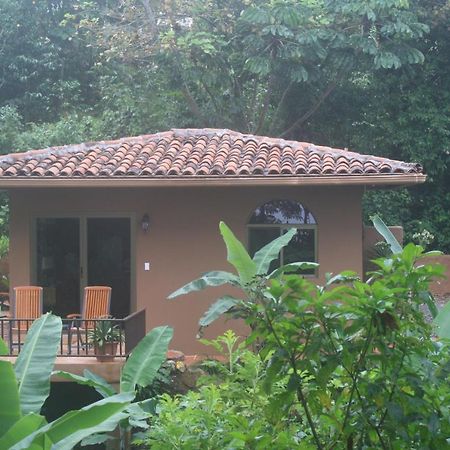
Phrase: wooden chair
{"type": "Point", "coordinates": [96, 305]}
{"type": "Point", "coordinates": [27, 302]}
{"type": "Point", "coordinates": [27, 305]}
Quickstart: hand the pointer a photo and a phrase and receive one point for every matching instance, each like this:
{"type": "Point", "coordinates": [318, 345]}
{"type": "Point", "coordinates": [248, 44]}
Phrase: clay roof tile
{"type": "Point", "coordinates": [191, 153]}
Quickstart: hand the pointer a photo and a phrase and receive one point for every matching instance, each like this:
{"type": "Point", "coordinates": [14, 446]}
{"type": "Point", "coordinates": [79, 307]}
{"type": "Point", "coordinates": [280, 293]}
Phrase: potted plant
{"type": "Point", "coordinates": [105, 338]}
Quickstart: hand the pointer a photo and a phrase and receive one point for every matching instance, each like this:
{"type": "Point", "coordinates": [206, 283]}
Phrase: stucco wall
{"type": "Point", "coordinates": [441, 286]}
{"type": "Point", "coordinates": [184, 241]}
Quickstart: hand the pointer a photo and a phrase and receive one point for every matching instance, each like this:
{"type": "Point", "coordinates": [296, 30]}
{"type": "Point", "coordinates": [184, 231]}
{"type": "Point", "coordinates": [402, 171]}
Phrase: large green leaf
{"type": "Point", "coordinates": [237, 255]}
{"type": "Point", "coordinates": [292, 267]}
{"type": "Point", "coordinates": [146, 359]}
{"type": "Point", "coordinates": [95, 439]}
{"type": "Point", "coordinates": [74, 426]}
{"type": "Point", "coordinates": [220, 306]}
{"type": "Point", "coordinates": [9, 398]}
{"type": "Point", "coordinates": [269, 252]}
{"type": "Point", "coordinates": [89, 379]}
{"type": "Point", "coordinates": [442, 322]}
{"type": "Point", "coordinates": [21, 429]}
{"type": "Point", "coordinates": [3, 347]}
{"type": "Point", "coordinates": [215, 278]}
{"type": "Point", "coordinates": [381, 227]}
{"type": "Point", "coordinates": [35, 362]}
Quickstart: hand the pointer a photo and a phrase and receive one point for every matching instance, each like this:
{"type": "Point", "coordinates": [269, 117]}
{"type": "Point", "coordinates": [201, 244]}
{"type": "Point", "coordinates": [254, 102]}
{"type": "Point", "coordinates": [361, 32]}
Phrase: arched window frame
{"type": "Point", "coordinates": [283, 227]}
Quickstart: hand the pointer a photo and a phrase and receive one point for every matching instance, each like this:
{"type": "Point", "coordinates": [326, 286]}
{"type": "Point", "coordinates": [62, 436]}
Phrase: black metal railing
{"type": "Point", "coordinates": [80, 337]}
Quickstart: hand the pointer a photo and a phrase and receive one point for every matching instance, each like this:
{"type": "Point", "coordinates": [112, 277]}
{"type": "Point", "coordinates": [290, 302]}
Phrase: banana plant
{"type": "Point", "coordinates": [250, 272]}
{"type": "Point", "coordinates": [25, 386]}
{"type": "Point", "coordinates": [139, 370]}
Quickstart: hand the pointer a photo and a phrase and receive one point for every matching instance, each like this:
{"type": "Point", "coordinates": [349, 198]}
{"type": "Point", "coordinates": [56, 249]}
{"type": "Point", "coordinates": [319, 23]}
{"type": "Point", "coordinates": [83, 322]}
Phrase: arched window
{"type": "Point", "coordinates": [274, 218]}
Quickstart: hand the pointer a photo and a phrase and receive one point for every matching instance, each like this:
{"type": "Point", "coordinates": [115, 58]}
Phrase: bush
{"type": "Point", "coordinates": [358, 363]}
{"type": "Point", "coordinates": [230, 410]}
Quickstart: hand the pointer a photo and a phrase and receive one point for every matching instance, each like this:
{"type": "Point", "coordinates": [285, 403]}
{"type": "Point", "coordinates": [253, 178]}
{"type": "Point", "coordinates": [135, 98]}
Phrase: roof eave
{"type": "Point", "coordinates": [199, 181]}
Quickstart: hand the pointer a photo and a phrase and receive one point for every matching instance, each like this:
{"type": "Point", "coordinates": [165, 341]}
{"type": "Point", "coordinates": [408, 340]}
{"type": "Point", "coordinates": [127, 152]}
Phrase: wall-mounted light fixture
{"type": "Point", "coordinates": [145, 223]}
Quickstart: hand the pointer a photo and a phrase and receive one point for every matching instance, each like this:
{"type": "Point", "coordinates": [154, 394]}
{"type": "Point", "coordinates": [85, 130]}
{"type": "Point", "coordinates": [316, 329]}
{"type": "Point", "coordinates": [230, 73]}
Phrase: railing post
{"type": "Point", "coordinates": [134, 329]}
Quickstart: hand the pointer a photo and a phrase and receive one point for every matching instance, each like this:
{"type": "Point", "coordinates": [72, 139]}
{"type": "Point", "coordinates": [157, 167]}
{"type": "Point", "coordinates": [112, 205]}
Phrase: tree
{"type": "Point", "coordinates": [45, 65]}
{"type": "Point", "coordinates": [402, 115]}
{"type": "Point", "coordinates": [236, 63]}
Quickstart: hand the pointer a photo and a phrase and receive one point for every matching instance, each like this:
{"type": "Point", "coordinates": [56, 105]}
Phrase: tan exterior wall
{"type": "Point", "coordinates": [441, 286]}
{"type": "Point", "coordinates": [184, 241]}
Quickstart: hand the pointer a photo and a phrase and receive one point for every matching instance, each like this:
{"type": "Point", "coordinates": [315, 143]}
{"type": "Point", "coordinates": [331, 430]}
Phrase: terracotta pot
{"type": "Point", "coordinates": [106, 352]}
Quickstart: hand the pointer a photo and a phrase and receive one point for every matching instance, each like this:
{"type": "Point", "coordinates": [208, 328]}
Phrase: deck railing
{"type": "Point", "coordinates": [77, 334]}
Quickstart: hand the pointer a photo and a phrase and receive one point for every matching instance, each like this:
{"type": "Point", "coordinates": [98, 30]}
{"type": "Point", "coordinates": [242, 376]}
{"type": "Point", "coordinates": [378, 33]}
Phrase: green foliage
{"type": "Point", "coordinates": [250, 274]}
{"type": "Point", "coordinates": [105, 331]}
{"type": "Point", "coordinates": [354, 354]}
{"type": "Point", "coordinates": [34, 364]}
{"type": "Point", "coordinates": [250, 55]}
{"type": "Point", "coordinates": [227, 415]}
{"type": "Point", "coordinates": [442, 322]}
{"type": "Point", "coordinates": [238, 256]}
{"type": "Point", "coordinates": [401, 115]}
{"type": "Point", "coordinates": [74, 71]}
{"type": "Point", "coordinates": [25, 387]}
{"type": "Point", "coordinates": [74, 426]}
{"type": "Point", "coordinates": [387, 234]}
{"type": "Point", "coordinates": [9, 401]}
{"type": "Point", "coordinates": [145, 360]}
{"type": "Point", "coordinates": [139, 371]}
{"type": "Point", "coordinates": [357, 359]}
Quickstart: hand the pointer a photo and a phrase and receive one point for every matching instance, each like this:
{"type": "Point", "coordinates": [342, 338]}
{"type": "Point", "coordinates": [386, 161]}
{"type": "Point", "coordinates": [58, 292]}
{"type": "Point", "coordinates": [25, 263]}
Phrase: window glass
{"type": "Point", "coordinates": [282, 212]}
{"type": "Point", "coordinates": [276, 217]}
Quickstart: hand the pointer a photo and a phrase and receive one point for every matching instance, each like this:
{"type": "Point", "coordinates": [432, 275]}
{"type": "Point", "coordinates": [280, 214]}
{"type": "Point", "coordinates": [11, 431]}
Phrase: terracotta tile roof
{"type": "Point", "coordinates": [192, 153]}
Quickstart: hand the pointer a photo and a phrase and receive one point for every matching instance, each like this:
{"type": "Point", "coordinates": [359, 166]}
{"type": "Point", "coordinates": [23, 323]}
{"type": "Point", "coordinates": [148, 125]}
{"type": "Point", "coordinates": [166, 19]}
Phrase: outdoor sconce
{"type": "Point", "coordinates": [145, 224]}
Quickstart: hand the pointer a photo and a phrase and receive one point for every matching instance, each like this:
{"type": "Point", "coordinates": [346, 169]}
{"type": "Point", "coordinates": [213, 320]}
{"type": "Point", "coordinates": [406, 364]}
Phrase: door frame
{"type": "Point", "coordinates": [83, 216]}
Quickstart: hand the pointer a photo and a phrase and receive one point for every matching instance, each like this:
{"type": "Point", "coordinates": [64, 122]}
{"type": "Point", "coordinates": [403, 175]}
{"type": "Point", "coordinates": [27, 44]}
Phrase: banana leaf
{"type": "Point", "coordinates": [264, 257]}
{"type": "Point", "coordinates": [21, 429]}
{"type": "Point", "coordinates": [35, 362]}
{"type": "Point", "coordinates": [9, 398]}
{"type": "Point", "coordinates": [237, 255]}
{"type": "Point", "coordinates": [70, 429]}
{"type": "Point", "coordinates": [89, 379]}
{"type": "Point", "coordinates": [381, 227]}
{"type": "Point", "coordinates": [220, 306]}
{"type": "Point", "coordinates": [146, 359]}
{"type": "Point", "coordinates": [212, 279]}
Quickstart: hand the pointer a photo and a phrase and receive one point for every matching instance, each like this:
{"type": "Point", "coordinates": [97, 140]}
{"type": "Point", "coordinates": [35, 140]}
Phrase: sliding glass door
{"type": "Point", "coordinates": [58, 263]}
{"type": "Point", "coordinates": [109, 260]}
{"type": "Point", "coordinates": [74, 252]}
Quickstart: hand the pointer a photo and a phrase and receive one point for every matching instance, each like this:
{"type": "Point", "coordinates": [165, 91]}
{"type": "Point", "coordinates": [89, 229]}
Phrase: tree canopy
{"type": "Point", "coordinates": [368, 75]}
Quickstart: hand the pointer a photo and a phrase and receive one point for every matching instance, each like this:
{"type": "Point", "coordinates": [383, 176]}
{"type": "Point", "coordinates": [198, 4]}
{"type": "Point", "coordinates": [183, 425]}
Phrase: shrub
{"type": "Point", "coordinates": [357, 360]}
{"type": "Point", "coordinates": [230, 410]}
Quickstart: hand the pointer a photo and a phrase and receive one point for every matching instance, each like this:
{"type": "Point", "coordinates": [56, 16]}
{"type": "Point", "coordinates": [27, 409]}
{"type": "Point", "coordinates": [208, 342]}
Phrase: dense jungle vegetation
{"type": "Point", "coordinates": [365, 75]}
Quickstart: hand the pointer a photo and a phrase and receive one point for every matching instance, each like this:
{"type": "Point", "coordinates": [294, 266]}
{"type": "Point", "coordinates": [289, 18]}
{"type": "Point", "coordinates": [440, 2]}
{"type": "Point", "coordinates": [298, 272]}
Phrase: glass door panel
{"type": "Point", "coordinates": [58, 263]}
{"type": "Point", "coordinates": [108, 259]}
